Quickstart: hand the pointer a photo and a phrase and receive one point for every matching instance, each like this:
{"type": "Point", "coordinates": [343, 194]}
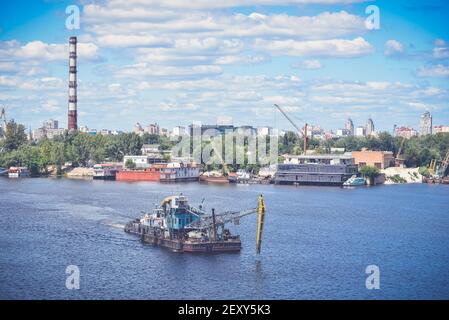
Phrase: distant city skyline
{"type": "Point", "coordinates": [178, 62]}
{"type": "Point", "coordinates": [50, 128]}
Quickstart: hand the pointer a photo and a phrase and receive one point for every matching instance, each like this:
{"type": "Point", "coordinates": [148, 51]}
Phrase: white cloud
{"type": "Point", "coordinates": [93, 13]}
{"type": "Point", "coordinates": [440, 52]}
{"type": "Point", "coordinates": [51, 105]}
{"type": "Point", "coordinates": [127, 41]}
{"type": "Point", "coordinates": [149, 70]}
{"type": "Point", "coordinates": [38, 51]}
{"type": "Point", "coordinates": [422, 106]}
{"type": "Point", "coordinates": [7, 81]}
{"type": "Point", "coordinates": [440, 43]}
{"type": "Point", "coordinates": [309, 65]}
{"type": "Point", "coordinates": [325, 25]}
{"type": "Point", "coordinates": [219, 4]}
{"type": "Point", "coordinates": [240, 59]}
{"type": "Point", "coordinates": [7, 66]}
{"type": "Point", "coordinates": [340, 48]}
{"type": "Point", "coordinates": [438, 71]}
{"type": "Point", "coordinates": [394, 48]}
{"type": "Point", "coordinates": [45, 83]}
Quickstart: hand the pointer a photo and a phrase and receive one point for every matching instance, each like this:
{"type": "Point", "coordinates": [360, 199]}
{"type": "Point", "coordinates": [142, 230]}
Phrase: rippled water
{"type": "Point", "coordinates": [317, 242]}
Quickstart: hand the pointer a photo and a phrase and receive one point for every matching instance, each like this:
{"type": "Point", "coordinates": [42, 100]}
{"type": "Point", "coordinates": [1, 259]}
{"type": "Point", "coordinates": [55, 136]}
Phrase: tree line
{"type": "Point", "coordinates": [82, 149]}
{"type": "Point", "coordinates": [78, 148]}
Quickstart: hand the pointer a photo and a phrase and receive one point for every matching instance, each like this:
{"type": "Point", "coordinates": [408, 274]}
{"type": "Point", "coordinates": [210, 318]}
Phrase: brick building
{"type": "Point", "coordinates": [379, 159]}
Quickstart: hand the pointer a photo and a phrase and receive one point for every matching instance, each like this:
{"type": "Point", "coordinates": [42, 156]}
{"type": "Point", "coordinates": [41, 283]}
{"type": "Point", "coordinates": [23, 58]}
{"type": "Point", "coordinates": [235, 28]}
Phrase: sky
{"type": "Point", "coordinates": [174, 62]}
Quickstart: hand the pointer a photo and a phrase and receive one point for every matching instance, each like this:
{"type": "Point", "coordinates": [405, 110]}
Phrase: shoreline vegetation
{"type": "Point", "coordinates": [81, 150]}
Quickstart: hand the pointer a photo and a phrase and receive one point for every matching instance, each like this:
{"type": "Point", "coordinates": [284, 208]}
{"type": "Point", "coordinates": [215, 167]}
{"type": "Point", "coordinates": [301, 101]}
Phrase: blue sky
{"type": "Point", "coordinates": [174, 62]}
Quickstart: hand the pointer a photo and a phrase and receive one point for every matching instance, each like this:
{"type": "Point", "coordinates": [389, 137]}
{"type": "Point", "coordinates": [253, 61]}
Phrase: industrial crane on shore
{"type": "Point", "coordinates": [439, 171]}
{"type": "Point", "coordinates": [3, 116]}
{"type": "Point", "coordinates": [445, 163]}
{"type": "Point", "coordinates": [301, 132]}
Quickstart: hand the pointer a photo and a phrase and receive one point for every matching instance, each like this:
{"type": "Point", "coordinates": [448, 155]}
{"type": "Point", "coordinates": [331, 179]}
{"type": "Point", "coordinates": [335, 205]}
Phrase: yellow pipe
{"type": "Point", "coordinates": [260, 221]}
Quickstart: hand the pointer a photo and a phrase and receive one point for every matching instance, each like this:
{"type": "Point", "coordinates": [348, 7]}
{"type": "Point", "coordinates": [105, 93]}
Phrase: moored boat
{"type": "Point", "coordinates": [18, 172]}
{"type": "Point", "coordinates": [214, 178]}
{"type": "Point", "coordinates": [354, 181]}
{"type": "Point", "coordinates": [106, 171]}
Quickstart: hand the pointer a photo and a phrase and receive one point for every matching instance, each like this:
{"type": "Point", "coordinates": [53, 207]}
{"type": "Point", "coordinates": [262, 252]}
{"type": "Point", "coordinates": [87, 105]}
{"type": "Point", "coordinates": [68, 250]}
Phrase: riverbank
{"type": "Point", "coordinates": [395, 175]}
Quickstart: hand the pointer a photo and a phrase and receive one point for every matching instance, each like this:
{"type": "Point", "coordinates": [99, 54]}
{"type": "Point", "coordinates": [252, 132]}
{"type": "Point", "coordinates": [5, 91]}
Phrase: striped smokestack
{"type": "Point", "coordinates": [73, 117]}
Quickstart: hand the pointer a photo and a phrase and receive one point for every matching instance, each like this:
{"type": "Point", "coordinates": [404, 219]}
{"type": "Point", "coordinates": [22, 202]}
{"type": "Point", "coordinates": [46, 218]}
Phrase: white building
{"type": "Point", "coordinates": [105, 132]}
{"type": "Point", "coordinates": [405, 132]}
{"type": "Point", "coordinates": [349, 125]}
{"type": "Point", "coordinates": [370, 127]}
{"type": "Point", "coordinates": [148, 149]}
{"type": "Point", "coordinates": [141, 162]}
{"type": "Point", "coordinates": [440, 129]}
{"type": "Point", "coordinates": [343, 133]}
{"type": "Point", "coordinates": [50, 129]}
{"type": "Point", "coordinates": [152, 128]}
{"type": "Point", "coordinates": [264, 131]}
{"type": "Point", "coordinates": [51, 124]}
{"type": "Point", "coordinates": [426, 123]}
{"type": "Point", "coordinates": [360, 131]}
{"type": "Point", "coordinates": [138, 129]}
{"type": "Point", "coordinates": [179, 131]}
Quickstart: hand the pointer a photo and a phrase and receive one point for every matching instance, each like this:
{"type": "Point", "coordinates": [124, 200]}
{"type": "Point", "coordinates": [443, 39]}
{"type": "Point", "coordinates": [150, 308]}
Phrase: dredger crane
{"type": "Point", "coordinates": [301, 132]}
{"type": "Point", "coordinates": [214, 223]}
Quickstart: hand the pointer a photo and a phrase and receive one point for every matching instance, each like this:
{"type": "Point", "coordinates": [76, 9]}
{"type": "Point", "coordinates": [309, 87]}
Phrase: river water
{"type": "Point", "coordinates": [317, 242]}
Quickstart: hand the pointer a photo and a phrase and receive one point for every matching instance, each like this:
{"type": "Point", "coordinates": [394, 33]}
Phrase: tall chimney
{"type": "Point", "coordinates": [73, 117]}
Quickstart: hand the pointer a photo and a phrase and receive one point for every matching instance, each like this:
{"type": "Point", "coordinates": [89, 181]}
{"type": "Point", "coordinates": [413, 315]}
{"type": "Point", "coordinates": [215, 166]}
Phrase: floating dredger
{"type": "Point", "coordinates": [176, 225]}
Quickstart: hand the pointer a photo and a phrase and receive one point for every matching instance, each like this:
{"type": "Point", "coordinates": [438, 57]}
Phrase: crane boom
{"type": "Point", "coordinates": [289, 119]}
{"type": "Point", "coordinates": [206, 221]}
{"type": "Point", "coordinates": [301, 132]}
{"type": "Point", "coordinates": [211, 222]}
{"type": "Point", "coordinates": [3, 116]}
{"type": "Point", "coordinates": [400, 147]}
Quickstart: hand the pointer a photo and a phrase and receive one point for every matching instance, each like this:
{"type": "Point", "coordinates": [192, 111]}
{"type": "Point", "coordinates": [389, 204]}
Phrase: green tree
{"type": "Point", "coordinates": [129, 164]}
{"type": "Point", "coordinates": [14, 136]}
{"type": "Point", "coordinates": [369, 172]}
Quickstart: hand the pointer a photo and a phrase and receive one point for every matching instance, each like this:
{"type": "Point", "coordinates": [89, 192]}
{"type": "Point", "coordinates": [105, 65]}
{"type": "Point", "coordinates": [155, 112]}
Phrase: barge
{"type": "Point", "coordinates": [330, 170]}
{"type": "Point", "coordinates": [179, 227]}
{"type": "Point", "coordinates": [106, 171]}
